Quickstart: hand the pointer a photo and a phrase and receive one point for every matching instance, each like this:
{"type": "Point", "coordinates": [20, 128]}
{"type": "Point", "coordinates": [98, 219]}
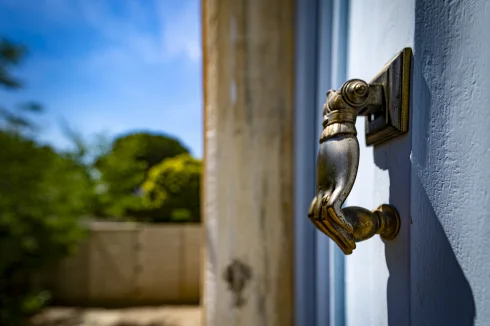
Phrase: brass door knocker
{"type": "Point", "coordinates": [385, 103]}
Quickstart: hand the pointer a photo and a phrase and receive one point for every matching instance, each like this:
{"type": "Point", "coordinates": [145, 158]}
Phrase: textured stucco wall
{"type": "Point", "coordinates": [447, 190]}
{"type": "Point", "coordinates": [450, 264]}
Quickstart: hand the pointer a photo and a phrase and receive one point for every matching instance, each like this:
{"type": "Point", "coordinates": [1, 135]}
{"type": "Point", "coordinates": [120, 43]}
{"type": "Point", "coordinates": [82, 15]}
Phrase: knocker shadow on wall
{"type": "Point", "coordinates": [438, 289]}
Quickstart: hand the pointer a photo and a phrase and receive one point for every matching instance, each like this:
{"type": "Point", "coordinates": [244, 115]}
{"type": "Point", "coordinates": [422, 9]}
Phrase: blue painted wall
{"type": "Point", "coordinates": [450, 187]}
{"type": "Point", "coordinates": [438, 270]}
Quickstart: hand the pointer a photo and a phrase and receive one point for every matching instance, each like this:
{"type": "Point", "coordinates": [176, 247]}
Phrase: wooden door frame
{"type": "Point", "coordinates": [248, 162]}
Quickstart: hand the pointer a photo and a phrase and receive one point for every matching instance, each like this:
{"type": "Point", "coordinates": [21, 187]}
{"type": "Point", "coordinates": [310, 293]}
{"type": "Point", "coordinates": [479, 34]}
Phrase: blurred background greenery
{"type": "Point", "coordinates": [45, 193]}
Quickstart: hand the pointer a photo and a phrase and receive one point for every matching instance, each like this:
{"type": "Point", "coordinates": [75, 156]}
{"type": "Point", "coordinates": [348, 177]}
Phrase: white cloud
{"type": "Point", "coordinates": [177, 36]}
{"type": "Point", "coordinates": [181, 33]}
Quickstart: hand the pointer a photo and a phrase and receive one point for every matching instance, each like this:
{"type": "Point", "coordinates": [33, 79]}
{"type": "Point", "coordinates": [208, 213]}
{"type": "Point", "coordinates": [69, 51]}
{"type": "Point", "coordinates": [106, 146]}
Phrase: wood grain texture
{"type": "Point", "coordinates": [248, 183]}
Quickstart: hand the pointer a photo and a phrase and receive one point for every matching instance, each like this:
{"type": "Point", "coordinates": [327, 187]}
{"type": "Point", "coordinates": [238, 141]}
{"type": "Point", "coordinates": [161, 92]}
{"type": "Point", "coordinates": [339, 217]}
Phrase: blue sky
{"type": "Point", "coordinates": [110, 66]}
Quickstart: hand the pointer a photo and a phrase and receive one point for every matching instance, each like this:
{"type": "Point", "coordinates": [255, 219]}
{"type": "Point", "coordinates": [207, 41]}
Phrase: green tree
{"type": "Point", "coordinates": [42, 195]}
{"type": "Point", "coordinates": [125, 166]}
{"type": "Point", "coordinates": [172, 189]}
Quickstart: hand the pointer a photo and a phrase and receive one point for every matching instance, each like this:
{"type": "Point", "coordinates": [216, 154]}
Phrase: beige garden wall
{"type": "Point", "coordinates": [132, 264]}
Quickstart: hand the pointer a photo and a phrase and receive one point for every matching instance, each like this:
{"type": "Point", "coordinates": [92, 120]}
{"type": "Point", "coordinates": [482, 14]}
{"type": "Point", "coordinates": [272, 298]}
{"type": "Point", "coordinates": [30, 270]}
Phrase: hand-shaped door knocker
{"type": "Point", "coordinates": [337, 164]}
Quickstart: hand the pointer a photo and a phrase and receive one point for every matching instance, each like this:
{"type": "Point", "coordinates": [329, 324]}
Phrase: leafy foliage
{"type": "Point", "coordinates": [124, 168]}
{"type": "Point", "coordinates": [42, 195]}
{"type": "Point", "coordinates": [172, 190]}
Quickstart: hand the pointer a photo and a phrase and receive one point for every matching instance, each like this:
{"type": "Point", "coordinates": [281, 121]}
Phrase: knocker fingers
{"type": "Point", "coordinates": [332, 235]}
{"type": "Point", "coordinates": [336, 214]}
{"type": "Point", "coordinates": [318, 214]}
{"type": "Point", "coordinates": [344, 239]}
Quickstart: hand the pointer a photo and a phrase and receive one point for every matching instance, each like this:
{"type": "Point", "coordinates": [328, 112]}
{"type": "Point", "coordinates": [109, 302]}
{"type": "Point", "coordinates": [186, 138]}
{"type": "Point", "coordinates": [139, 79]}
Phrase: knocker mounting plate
{"type": "Point", "coordinates": [391, 119]}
